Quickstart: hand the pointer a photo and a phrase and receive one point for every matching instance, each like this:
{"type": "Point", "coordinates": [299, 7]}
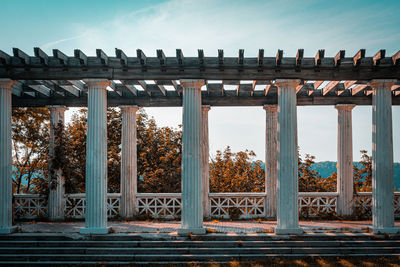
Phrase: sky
{"type": "Point", "coordinates": [211, 25]}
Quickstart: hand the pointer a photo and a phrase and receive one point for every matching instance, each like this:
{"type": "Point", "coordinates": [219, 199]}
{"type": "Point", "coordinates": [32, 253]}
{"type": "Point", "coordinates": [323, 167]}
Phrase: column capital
{"type": "Point", "coordinates": [57, 107]}
{"type": "Point", "coordinates": [132, 108]}
{"type": "Point", "coordinates": [347, 107]}
{"type": "Point", "coordinates": [192, 83]}
{"type": "Point", "coordinates": [291, 83]}
{"type": "Point", "coordinates": [205, 108]}
{"type": "Point", "coordinates": [7, 83]}
{"type": "Point", "coordinates": [99, 83]}
{"type": "Point", "coordinates": [379, 83]}
{"type": "Point", "coordinates": [271, 108]}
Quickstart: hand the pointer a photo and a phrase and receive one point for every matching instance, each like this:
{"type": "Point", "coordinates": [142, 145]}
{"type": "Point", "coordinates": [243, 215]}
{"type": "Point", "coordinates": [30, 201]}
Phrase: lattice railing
{"type": "Point", "coordinates": [75, 205]}
{"type": "Point", "coordinates": [363, 202]}
{"type": "Point", "coordinates": [30, 206]}
{"type": "Point", "coordinates": [160, 205]}
{"type": "Point", "coordinates": [313, 204]}
{"type": "Point", "coordinates": [243, 205]}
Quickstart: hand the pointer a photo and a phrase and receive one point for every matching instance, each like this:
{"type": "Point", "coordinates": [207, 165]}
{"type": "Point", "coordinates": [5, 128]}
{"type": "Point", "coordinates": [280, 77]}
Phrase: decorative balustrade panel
{"type": "Point", "coordinates": [75, 205]}
{"type": "Point", "coordinates": [363, 204]}
{"type": "Point", "coordinates": [161, 205]}
{"type": "Point", "coordinates": [314, 204]}
{"type": "Point", "coordinates": [30, 206]}
{"type": "Point", "coordinates": [241, 205]}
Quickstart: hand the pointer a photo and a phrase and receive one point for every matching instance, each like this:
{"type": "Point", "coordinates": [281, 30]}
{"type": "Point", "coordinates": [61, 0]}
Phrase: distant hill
{"type": "Point", "coordinates": [326, 168]}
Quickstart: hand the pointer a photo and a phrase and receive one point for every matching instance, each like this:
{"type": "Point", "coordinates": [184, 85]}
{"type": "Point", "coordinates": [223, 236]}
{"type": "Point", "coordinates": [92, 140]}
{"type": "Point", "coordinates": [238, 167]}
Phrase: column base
{"type": "Point", "coordinates": [386, 230]}
{"type": "Point", "coordinates": [8, 230]}
{"type": "Point", "coordinates": [95, 231]}
{"type": "Point", "coordinates": [288, 231]}
{"type": "Point", "coordinates": [194, 231]}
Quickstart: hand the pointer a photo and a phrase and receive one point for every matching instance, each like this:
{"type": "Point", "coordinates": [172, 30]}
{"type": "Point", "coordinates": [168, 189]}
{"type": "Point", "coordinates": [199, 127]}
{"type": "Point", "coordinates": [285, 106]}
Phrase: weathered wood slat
{"type": "Point", "coordinates": [338, 58]}
{"type": "Point", "coordinates": [379, 56]}
{"type": "Point", "coordinates": [5, 59]}
{"type": "Point", "coordinates": [44, 58]}
{"type": "Point", "coordinates": [25, 59]}
{"type": "Point", "coordinates": [63, 59]}
{"type": "Point", "coordinates": [102, 56]}
{"type": "Point", "coordinates": [329, 87]}
{"type": "Point", "coordinates": [121, 55]}
{"type": "Point", "coordinates": [357, 57]}
{"type": "Point", "coordinates": [83, 60]}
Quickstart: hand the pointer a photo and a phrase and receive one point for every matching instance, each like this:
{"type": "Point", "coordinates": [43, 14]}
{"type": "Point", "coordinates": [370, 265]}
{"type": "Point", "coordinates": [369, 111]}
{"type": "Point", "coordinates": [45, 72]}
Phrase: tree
{"type": "Point", "coordinates": [30, 137]}
{"type": "Point", "coordinates": [236, 172]}
{"type": "Point", "coordinates": [363, 173]}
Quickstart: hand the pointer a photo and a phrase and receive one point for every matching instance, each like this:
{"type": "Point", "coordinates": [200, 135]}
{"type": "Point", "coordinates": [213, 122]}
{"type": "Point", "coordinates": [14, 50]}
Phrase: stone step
{"type": "Point", "coordinates": [216, 250]}
{"type": "Point", "coordinates": [205, 244]}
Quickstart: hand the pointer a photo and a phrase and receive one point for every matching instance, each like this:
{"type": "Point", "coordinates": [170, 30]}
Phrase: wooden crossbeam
{"type": "Point", "coordinates": [299, 58]}
{"type": "Point", "coordinates": [396, 58]}
{"type": "Point", "coordinates": [329, 87]}
{"type": "Point", "coordinates": [80, 85]}
{"type": "Point", "coordinates": [162, 88]}
{"type": "Point", "coordinates": [130, 86]}
{"type": "Point", "coordinates": [200, 54]}
{"type": "Point", "coordinates": [21, 55]}
{"type": "Point", "coordinates": [378, 56]}
{"type": "Point", "coordinates": [142, 59]}
{"type": "Point", "coordinates": [179, 56]}
{"type": "Point", "coordinates": [177, 87]}
{"type": "Point", "coordinates": [357, 57]}
{"type": "Point", "coordinates": [5, 59]}
{"type": "Point", "coordinates": [60, 56]}
{"type": "Point", "coordinates": [338, 58]}
{"type": "Point", "coordinates": [358, 88]}
{"type": "Point", "coordinates": [215, 89]}
{"type": "Point", "coordinates": [81, 57]}
{"type": "Point", "coordinates": [221, 59]}
{"type": "Point", "coordinates": [144, 85]}
{"type": "Point", "coordinates": [44, 90]}
{"type": "Point", "coordinates": [68, 87]}
{"type": "Point", "coordinates": [54, 87]}
{"type": "Point", "coordinates": [318, 57]}
{"type": "Point", "coordinates": [121, 55]}
{"type": "Point", "coordinates": [241, 58]}
{"type": "Point", "coordinates": [347, 84]}
{"type": "Point", "coordinates": [244, 89]}
{"type": "Point", "coordinates": [102, 56]}
{"type": "Point", "coordinates": [17, 90]}
{"type": "Point", "coordinates": [278, 59]}
{"type": "Point", "coordinates": [44, 58]}
{"type": "Point", "coordinates": [162, 59]}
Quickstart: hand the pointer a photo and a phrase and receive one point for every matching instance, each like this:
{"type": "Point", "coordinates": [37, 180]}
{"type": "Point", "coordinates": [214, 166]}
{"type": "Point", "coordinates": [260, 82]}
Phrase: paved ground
{"type": "Point", "coordinates": [212, 226]}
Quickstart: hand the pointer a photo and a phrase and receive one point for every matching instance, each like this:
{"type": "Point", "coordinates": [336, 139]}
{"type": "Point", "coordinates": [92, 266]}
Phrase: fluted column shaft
{"type": "Point", "coordinates": [96, 159]}
{"type": "Point", "coordinates": [205, 160]}
{"type": "Point", "coordinates": [128, 162]}
{"type": "Point", "coordinates": [287, 182]}
{"type": "Point", "coordinates": [5, 157]}
{"type": "Point", "coordinates": [382, 157]}
{"type": "Point", "coordinates": [345, 160]}
{"type": "Point", "coordinates": [271, 157]}
{"type": "Point", "coordinates": [56, 178]}
{"type": "Point", "coordinates": [192, 210]}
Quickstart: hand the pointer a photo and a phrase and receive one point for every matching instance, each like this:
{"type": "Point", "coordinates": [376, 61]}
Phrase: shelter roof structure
{"type": "Point", "coordinates": [230, 81]}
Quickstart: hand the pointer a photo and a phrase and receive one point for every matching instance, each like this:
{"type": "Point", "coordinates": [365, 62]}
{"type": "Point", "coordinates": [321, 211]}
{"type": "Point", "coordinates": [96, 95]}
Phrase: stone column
{"type": "Point", "coordinates": [345, 160]}
{"type": "Point", "coordinates": [6, 192]}
{"type": "Point", "coordinates": [382, 158]}
{"type": "Point", "coordinates": [128, 162]}
{"type": "Point", "coordinates": [205, 160]}
{"type": "Point", "coordinates": [192, 210]}
{"type": "Point", "coordinates": [287, 182]}
{"type": "Point", "coordinates": [56, 178]}
{"type": "Point", "coordinates": [96, 159]}
{"type": "Point", "coordinates": [271, 156]}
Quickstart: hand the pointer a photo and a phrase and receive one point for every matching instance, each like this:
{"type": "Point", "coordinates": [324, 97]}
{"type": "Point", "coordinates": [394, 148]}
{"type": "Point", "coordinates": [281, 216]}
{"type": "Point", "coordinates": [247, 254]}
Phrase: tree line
{"type": "Point", "coordinates": [159, 151]}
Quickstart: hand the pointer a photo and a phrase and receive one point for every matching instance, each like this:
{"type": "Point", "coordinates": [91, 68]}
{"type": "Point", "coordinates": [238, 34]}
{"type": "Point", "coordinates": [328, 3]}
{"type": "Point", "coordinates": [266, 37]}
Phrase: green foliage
{"type": "Point", "coordinates": [363, 175]}
{"type": "Point", "coordinates": [310, 180]}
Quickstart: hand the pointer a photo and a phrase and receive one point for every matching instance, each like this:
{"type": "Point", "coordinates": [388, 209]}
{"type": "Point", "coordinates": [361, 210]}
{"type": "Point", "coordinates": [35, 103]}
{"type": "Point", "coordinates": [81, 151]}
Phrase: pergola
{"type": "Point", "coordinates": [277, 83]}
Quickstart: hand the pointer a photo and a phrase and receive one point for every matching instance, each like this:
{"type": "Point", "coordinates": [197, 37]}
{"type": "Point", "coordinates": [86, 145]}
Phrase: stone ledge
{"type": "Point", "coordinates": [95, 231]}
{"type": "Point", "coordinates": [288, 231]}
{"type": "Point", "coordinates": [194, 231]}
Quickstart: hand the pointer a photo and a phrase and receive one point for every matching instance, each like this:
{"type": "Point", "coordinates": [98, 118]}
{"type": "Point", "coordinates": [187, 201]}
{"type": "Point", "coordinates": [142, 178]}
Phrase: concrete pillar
{"type": "Point", "coordinates": [345, 160]}
{"type": "Point", "coordinates": [6, 193]}
{"type": "Point", "coordinates": [56, 178]}
{"type": "Point", "coordinates": [271, 157]}
{"type": "Point", "coordinates": [382, 157]}
{"type": "Point", "coordinates": [287, 182]}
{"type": "Point", "coordinates": [128, 162]}
{"type": "Point", "coordinates": [205, 160]}
{"type": "Point", "coordinates": [96, 159]}
{"type": "Point", "coordinates": [192, 210]}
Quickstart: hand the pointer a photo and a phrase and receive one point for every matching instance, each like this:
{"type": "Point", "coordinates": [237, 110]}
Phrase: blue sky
{"type": "Point", "coordinates": [211, 25]}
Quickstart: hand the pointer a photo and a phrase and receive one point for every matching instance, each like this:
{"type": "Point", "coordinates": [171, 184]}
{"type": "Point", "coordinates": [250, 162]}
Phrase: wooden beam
{"type": "Point", "coordinates": [80, 85]}
{"type": "Point", "coordinates": [69, 88]}
{"type": "Point", "coordinates": [378, 56]}
{"type": "Point", "coordinates": [347, 84]}
{"type": "Point", "coordinates": [201, 59]}
{"type": "Point", "coordinates": [44, 58]}
{"type": "Point", "coordinates": [396, 58]}
{"type": "Point", "coordinates": [162, 59]}
{"type": "Point", "coordinates": [144, 85]}
{"type": "Point", "coordinates": [179, 56]}
{"type": "Point", "coordinates": [21, 55]}
{"type": "Point", "coordinates": [60, 56]}
{"type": "Point", "coordinates": [177, 87]}
{"type": "Point", "coordinates": [130, 86]}
{"type": "Point", "coordinates": [102, 56]}
{"type": "Point", "coordinates": [162, 89]}
{"type": "Point", "coordinates": [241, 59]}
{"type": "Point", "coordinates": [357, 57]}
{"type": "Point", "coordinates": [299, 58]}
{"type": "Point", "coordinates": [5, 59]}
{"type": "Point", "coordinates": [121, 55]}
{"type": "Point", "coordinates": [260, 59]}
{"type": "Point", "coordinates": [338, 58]}
{"type": "Point", "coordinates": [221, 59]}
{"type": "Point", "coordinates": [318, 57]}
{"type": "Point", "coordinates": [142, 59]}
{"type": "Point", "coordinates": [358, 88]}
{"type": "Point", "coordinates": [81, 57]}
{"type": "Point", "coordinates": [278, 59]}
{"type": "Point", "coordinates": [329, 87]}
